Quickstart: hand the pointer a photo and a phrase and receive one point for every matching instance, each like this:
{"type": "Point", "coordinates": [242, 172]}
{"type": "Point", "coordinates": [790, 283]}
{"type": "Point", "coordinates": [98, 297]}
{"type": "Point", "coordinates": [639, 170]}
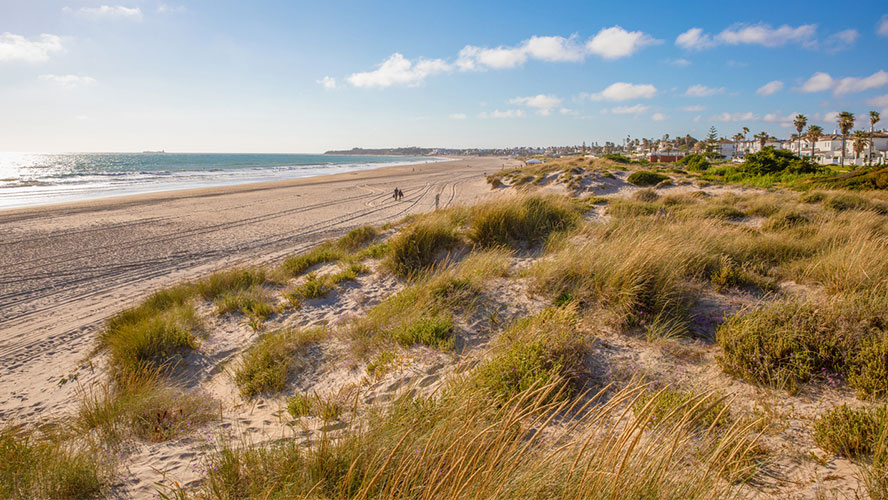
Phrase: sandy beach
{"type": "Point", "coordinates": [65, 268]}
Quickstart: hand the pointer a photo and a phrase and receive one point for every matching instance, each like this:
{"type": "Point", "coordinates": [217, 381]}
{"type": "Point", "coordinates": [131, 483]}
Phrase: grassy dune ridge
{"type": "Point", "coordinates": [530, 412]}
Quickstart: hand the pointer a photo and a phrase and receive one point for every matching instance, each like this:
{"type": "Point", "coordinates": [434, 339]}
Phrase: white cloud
{"type": "Point", "coordinates": [458, 116]}
{"type": "Point", "coordinates": [509, 113]}
{"type": "Point", "coordinates": [882, 28]}
{"type": "Point", "coordinates": [756, 34]}
{"type": "Point", "coordinates": [693, 108]}
{"type": "Point", "coordinates": [703, 91]}
{"type": "Point", "coordinates": [567, 111]}
{"type": "Point", "coordinates": [170, 9]}
{"type": "Point", "coordinates": [831, 117]}
{"type": "Point", "coordinates": [110, 11]}
{"type": "Point", "coordinates": [841, 41]}
{"type": "Point", "coordinates": [68, 80]}
{"type": "Point", "coordinates": [474, 58]}
{"type": "Point", "coordinates": [694, 39]}
{"type": "Point", "coordinates": [765, 35]}
{"type": "Point", "coordinates": [542, 102]}
{"type": "Point", "coordinates": [779, 118]}
{"type": "Point", "coordinates": [658, 117]}
{"type": "Point", "coordinates": [851, 84]}
{"type": "Point", "coordinates": [681, 63]}
{"type": "Point", "coordinates": [328, 82]}
{"type": "Point", "coordinates": [615, 42]}
{"type": "Point", "coordinates": [770, 88]}
{"type": "Point", "coordinates": [18, 48]}
{"type": "Point", "coordinates": [398, 70]}
{"type": "Point", "coordinates": [629, 110]}
{"type": "Point", "coordinates": [735, 117]}
{"type": "Point", "coordinates": [554, 48]}
{"type": "Point", "coordinates": [820, 82]}
{"type": "Point", "coordinates": [622, 91]}
{"type": "Point", "coordinates": [880, 101]}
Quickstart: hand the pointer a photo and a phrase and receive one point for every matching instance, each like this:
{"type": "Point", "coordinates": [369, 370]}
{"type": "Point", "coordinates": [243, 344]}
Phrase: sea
{"type": "Point", "coordinates": [29, 179]}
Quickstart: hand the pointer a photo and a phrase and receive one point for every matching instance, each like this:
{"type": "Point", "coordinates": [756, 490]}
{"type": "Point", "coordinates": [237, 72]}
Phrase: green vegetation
{"type": "Point", "coordinates": [268, 364]}
{"type": "Point", "coordinates": [305, 405]}
{"type": "Point", "coordinates": [254, 302]}
{"type": "Point", "coordinates": [49, 467]}
{"type": "Point", "coordinates": [666, 405]}
{"type": "Point", "coordinates": [528, 220]}
{"type": "Point", "coordinates": [646, 178]}
{"type": "Point", "coordinates": [144, 407]}
{"type": "Point", "coordinates": [850, 432]}
{"type": "Point", "coordinates": [695, 162]}
{"type": "Point", "coordinates": [766, 168]}
{"type": "Point", "coordinates": [321, 254]}
{"type": "Point", "coordinates": [436, 331]}
{"type": "Point", "coordinates": [790, 342]}
{"type": "Point", "coordinates": [534, 352]}
{"type": "Point", "coordinates": [357, 238]}
{"type": "Point", "coordinates": [420, 245]}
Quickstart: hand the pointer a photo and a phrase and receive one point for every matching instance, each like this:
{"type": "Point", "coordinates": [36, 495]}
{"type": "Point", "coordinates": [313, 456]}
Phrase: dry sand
{"type": "Point", "coordinates": [65, 268]}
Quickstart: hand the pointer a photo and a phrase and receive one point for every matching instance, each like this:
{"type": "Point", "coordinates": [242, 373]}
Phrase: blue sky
{"type": "Point", "coordinates": [288, 76]}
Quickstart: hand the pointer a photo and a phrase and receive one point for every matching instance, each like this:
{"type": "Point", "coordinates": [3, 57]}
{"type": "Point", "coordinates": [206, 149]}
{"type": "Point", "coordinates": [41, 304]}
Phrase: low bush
{"type": "Point", "coordinates": [770, 161]}
{"type": "Point", "coordinates": [254, 302]}
{"type": "Point", "coordinates": [725, 212]}
{"type": "Point", "coordinates": [788, 343]}
{"type": "Point", "coordinates": [849, 432]}
{"type": "Point", "coordinates": [534, 352]}
{"type": "Point", "coordinates": [646, 178]}
{"type": "Point", "coordinates": [268, 364]}
{"type": "Point", "coordinates": [529, 220]}
{"type": "Point", "coordinates": [695, 162]}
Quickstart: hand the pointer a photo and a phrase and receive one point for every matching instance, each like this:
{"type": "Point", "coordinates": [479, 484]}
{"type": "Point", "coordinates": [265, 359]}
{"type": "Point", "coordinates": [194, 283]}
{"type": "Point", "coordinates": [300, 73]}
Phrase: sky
{"type": "Point", "coordinates": [294, 76]}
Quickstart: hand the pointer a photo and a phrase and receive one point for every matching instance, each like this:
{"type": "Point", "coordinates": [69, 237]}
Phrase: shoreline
{"type": "Point", "coordinates": [65, 268]}
{"type": "Point", "coordinates": [185, 187]}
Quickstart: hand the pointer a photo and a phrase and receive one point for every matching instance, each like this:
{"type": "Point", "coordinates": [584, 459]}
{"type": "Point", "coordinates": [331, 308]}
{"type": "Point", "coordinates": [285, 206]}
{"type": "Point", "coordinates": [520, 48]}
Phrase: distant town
{"type": "Point", "coordinates": [859, 148]}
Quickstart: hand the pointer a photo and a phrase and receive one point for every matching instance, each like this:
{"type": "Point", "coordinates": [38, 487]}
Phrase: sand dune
{"type": "Point", "coordinates": [65, 268]}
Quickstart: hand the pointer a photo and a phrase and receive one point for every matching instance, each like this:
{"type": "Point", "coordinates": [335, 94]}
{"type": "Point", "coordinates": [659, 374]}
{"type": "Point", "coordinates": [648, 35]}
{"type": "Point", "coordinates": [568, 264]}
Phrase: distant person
{"type": "Point", "coordinates": [396, 194]}
{"type": "Point", "coordinates": [437, 199]}
{"type": "Point", "coordinates": [400, 194]}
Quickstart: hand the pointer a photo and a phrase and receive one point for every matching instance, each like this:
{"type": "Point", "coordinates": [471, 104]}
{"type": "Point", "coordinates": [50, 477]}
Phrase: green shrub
{"type": "Point", "coordinates": [434, 331]}
{"type": "Point", "coordinates": [646, 178]}
{"type": "Point", "coordinates": [852, 433]}
{"type": "Point", "coordinates": [847, 201]}
{"type": "Point", "coordinates": [268, 364]}
{"type": "Point", "coordinates": [771, 161]}
{"type": "Point", "coordinates": [617, 157]}
{"type": "Point", "coordinates": [695, 162]}
{"type": "Point", "coordinates": [813, 197]}
{"type": "Point", "coordinates": [418, 246]}
{"type": "Point", "coordinates": [534, 351]}
{"type": "Point", "coordinates": [725, 212]}
{"type": "Point", "coordinates": [869, 369]}
{"type": "Point", "coordinates": [528, 220]}
{"type": "Point", "coordinates": [730, 275]}
{"type": "Point", "coordinates": [788, 343]}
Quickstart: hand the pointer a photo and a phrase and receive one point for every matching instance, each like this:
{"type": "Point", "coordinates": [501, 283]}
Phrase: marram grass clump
{"type": "Point", "coordinates": [526, 220]}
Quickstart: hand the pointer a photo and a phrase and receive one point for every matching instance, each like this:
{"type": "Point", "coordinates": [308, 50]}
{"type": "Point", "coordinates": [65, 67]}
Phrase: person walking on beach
{"type": "Point", "coordinates": [396, 194]}
{"type": "Point", "coordinates": [437, 200]}
{"type": "Point", "coordinates": [400, 194]}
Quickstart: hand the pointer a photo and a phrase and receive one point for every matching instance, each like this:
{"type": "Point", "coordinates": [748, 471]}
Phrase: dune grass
{"type": "Point", "coordinates": [420, 245]}
{"type": "Point", "coordinates": [145, 407]}
{"type": "Point", "coordinates": [852, 432]}
{"type": "Point", "coordinates": [646, 178]}
{"type": "Point", "coordinates": [459, 446]}
{"type": "Point", "coordinates": [48, 466]}
{"type": "Point", "coordinates": [528, 220]}
{"type": "Point", "coordinates": [267, 365]}
{"type": "Point", "coordinates": [423, 311]}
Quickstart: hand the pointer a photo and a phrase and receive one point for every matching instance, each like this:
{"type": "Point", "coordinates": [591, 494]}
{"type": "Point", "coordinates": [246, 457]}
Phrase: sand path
{"type": "Point", "coordinates": [65, 268]}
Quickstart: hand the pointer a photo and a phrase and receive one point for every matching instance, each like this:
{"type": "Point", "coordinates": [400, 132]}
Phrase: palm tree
{"type": "Point", "coordinates": [846, 123]}
{"type": "Point", "coordinates": [814, 133]}
{"type": "Point", "coordinates": [762, 138]}
{"type": "Point", "coordinates": [737, 138]}
{"type": "Point", "coordinates": [874, 119]}
{"type": "Point", "coordinates": [860, 140]}
{"type": "Point", "coordinates": [800, 121]}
